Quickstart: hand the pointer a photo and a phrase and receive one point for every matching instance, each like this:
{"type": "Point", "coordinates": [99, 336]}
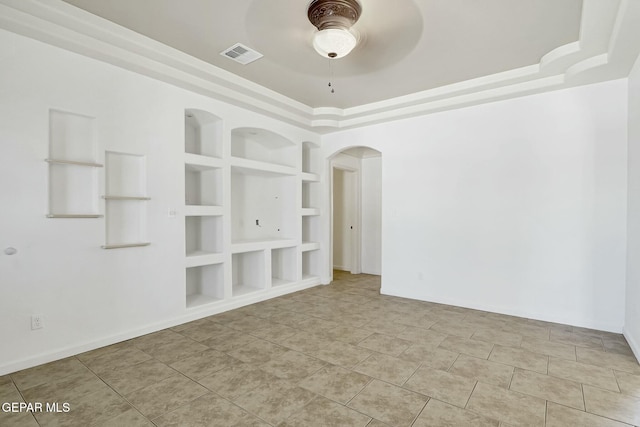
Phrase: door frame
{"type": "Point", "coordinates": [356, 243]}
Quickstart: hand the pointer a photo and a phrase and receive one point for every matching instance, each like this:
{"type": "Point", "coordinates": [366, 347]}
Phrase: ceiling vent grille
{"type": "Point", "coordinates": [241, 53]}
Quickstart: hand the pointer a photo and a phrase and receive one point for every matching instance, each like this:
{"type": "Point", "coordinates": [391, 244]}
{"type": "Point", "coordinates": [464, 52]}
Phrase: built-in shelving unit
{"type": "Point", "coordinates": [125, 201]}
{"type": "Point", "coordinates": [310, 212]}
{"type": "Point", "coordinates": [73, 177]}
{"type": "Point", "coordinates": [249, 194]}
{"type": "Point", "coordinates": [203, 211]}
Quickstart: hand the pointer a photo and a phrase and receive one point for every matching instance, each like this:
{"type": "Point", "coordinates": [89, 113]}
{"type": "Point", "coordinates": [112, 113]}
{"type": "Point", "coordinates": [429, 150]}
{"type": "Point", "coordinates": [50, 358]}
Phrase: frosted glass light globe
{"type": "Point", "coordinates": [334, 43]}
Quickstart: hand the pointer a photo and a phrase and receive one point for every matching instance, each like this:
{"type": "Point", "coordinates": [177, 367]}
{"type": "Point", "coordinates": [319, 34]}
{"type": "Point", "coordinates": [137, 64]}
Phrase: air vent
{"type": "Point", "coordinates": [241, 53]}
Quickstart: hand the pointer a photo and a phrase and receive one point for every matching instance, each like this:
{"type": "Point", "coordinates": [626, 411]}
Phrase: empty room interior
{"type": "Point", "coordinates": [320, 213]}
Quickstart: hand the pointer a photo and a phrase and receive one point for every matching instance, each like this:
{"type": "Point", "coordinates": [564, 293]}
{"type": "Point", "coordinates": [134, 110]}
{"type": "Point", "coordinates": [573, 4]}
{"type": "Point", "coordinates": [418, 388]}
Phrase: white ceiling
{"type": "Point", "coordinates": [406, 46]}
{"type": "Point", "coordinates": [416, 57]}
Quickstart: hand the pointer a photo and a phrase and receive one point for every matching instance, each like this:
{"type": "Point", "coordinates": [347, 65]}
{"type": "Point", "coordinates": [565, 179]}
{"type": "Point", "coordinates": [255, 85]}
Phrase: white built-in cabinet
{"type": "Point", "coordinates": [252, 206]}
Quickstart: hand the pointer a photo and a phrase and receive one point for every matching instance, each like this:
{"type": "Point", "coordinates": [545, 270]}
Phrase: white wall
{"type": "Point", "coordinates": [372, 215]}
{"type": "Point", "coordinates": [517, 206]}
{"type": "Point", "coordinates": [89, 296]}
{"type": "Point", "coordinates": [632, 321]}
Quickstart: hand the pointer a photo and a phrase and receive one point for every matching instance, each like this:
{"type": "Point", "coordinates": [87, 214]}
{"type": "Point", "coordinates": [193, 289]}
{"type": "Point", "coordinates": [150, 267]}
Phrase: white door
{"type": "Point", "coordinates": [344, 209]}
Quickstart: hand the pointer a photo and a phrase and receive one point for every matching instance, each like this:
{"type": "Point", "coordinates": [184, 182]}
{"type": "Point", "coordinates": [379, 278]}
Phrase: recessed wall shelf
{"type": "Point", "coordinates": [73, 180]}
{"type": "Point", "coordinates": [71, 162]}
{"type": "Point", "coordinates": [74, 216]}
{"type": "Point", "coordinates": [126, 245]}
{"type": "Point", "coordinates": [125, 199]}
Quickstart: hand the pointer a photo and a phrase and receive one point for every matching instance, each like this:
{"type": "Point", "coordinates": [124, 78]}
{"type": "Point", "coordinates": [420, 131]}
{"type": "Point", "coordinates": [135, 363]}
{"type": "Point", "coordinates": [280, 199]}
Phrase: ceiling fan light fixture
{"type": "Point", "coordinates": [334, 43]}
{"type": "Point", "coordinates": [333, 19]}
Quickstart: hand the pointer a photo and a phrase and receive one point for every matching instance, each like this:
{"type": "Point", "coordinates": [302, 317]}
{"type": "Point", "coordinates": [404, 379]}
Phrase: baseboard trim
{"type": "Point", "coordinates": [189, 316]}
{"type": "Point", "coordinates": [635, 346]}
{"type": "Point", "coordinates": [545, 317]}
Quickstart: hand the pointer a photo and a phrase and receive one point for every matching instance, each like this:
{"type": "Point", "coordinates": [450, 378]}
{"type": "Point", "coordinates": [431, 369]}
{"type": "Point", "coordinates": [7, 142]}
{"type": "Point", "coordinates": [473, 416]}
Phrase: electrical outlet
{"type": "Point", "coordinates": [36, 322]}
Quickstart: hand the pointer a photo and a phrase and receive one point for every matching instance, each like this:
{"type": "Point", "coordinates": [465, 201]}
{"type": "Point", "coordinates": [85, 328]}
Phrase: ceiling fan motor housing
{"type": "Point", "coordinates": [334, 14]}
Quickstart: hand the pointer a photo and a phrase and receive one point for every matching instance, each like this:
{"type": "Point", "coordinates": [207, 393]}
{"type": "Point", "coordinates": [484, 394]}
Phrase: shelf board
{"type": "Point", "coordinates": [250, 245]}
{"type": "Point", "coordinates": [196, 300]}
{"type": "Point", "coordinates": [255, 167]}
{"type": "Point", "coordinates": [310, 177]}
{"type": "Point", "coordinates": [126, 198]}
{"type": "Point", "coordinates": [126, 245]}
{"type": "Point", "coordinates": [74, 216]}
{"type": "Point", "coordinates": [199, 210]}
{"type": "Point", "coordinates": [309, 246]}
{"type": "Point", "coordinates": [275, 282]}
{"type": "Point", "coordinates": [310, 212]}
{"type": "Point", "coordinates": [200, 258]}
{"type": "Point", "coordinates": [310, 279]}
{"type": "Point", "coordinates": [73, 163]}
{"type": "Point", "coordinates": [244, 290]}
{"type": "Point", "coordinates": [198, 162]}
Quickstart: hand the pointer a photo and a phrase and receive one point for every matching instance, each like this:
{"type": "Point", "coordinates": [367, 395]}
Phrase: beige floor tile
{"type": "Point", "coordinates": [128, 356]}
{"type": "Point", "coordinates": [422, 336]}
{"type": "Point", "coordinates": [307, 342]}
{"type": "Point", "coordinates": [520, 358]}
{"type": "Point", "coordinates": [229, 341]}
{"type": "Point", "coordinates": [204, 364]}
{"type": "Point", "coordinates": [579, 340]}
{"type": "Point", "coordinates": [129, 418]}
{"type": "Point", "coordinates": [275, 333]}
{"type": "Point", "coordinates": [87, 356]}
{"type": "Point", "coordinates": [528, 330]}
{"type": "Point", "coordinates": [377, 423]}
{"type": "Point", "coordinates": [441, 414]}
{"type": "Point", "coordinates": [564, 392]}
{"type": "Point", "coordinates": [348, 334]}
{"type": "Point", "coordinates": [382, 325]}
{"type": "Point", "coordinates": [387, 368]}
{"type": "Point", "coordinates": [67, 389]}
{"type": "Point", "coordinates": [441, 385]}
{"type": "Point", "coordinates": [314, 324]}
{"type": "Point", "coordinates": [235, 381]}
{"type": "Point", "coordinates": [150, 342]}
{"type": "Point", "coordinates": [274, 404]}
{"type": "Point", "coordinates": [92, 408]}
{"type": "Point", "coordinates": [457, 329]}
{"type": "Point", "coordinates": [135, 377]}
{"type": "Point", "coordinates": [475, 348]}
{"type": "Point", "coordinates": [9, 392]}
{"type": "Point", "coordinates": [292, 365]}
{"type": "Point", "coordinates": [617, 347]}
{"type": "Point", "coordinates": [390, 404]}
{"type": "Point", "coordinates": [17, 419]}
{"type": "Point", "coordinates": [322, 412]}
{"type": "Point", "coordinates": [176, 349]}
{"type": "Point", "coordinates": [583, 373]}
{"type": "Point", "coordinates": [289, 318]}
{"type": "Point", "coordinates": [342, 354]}
{"type": "Point", "coordinates": [206, 410]}
{"type": "Point", "coordinates": [498, 337]}
{"type": "Point", "coordinates": [561, 416]}
{"type": "Point", "coordinates": [386, 344]}
{"type": "Point", "coordinates": [483, 370]}
{"type": "Point", "coordinates": [507, 406]}
{"type": "Point", "coordinates": [258, 351]}
{"type": "Point", "coordinates": [628, 383]}
{"type": "Point", "coordinates": [435, 358]}
{"type": "Point", "coordinates": [549, 348]}
{"type": "Point", "coordinates": [47, 373]}
{"type": "Point", "coordinates": [165, 396]}
{"type": "Point", "coordinates": [615, 361]}
{"type": "Point", "coordinates": [336, 383]}
{"type": "Point", "coordinates": [204, 330]}
{"type": "Point", "coordinates": [247, 323]}
{"type": "Point", "coordinates": [617, 406]}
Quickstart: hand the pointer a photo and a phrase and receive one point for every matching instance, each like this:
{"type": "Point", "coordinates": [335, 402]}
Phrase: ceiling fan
{"type": "Point", "coordinates": [334, 19]}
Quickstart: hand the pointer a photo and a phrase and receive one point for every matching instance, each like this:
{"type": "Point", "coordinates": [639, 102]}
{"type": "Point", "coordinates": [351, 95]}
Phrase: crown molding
{"type": "Point", "coordinates": [608, 46]}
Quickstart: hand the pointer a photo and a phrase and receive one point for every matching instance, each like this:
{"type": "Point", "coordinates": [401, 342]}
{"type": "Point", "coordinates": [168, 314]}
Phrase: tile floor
{"type": "Point", "coordinates": [343, 355]}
